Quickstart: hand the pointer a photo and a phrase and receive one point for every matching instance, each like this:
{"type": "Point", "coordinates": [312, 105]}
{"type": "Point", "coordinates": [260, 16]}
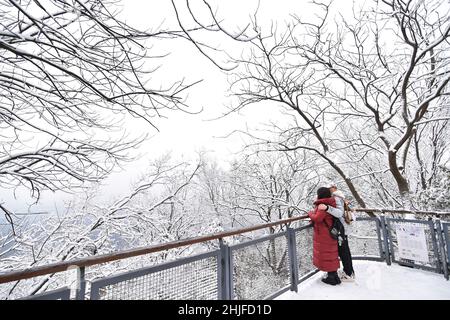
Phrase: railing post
{"type": "Point", "coordinates": [293, 264]}
{"type": "Point", "coordinates": [81, 284]}
{"type": "Point", "coordinates": [387, 255]}
{"type": "Point", "coordinates": [225, 272]}
{"type": "Point", "coordinates": [442, 248]}
{"type": "Point", "coordinates": [434, 239]}
{"type": "Point", "coordinates": [380, 241]}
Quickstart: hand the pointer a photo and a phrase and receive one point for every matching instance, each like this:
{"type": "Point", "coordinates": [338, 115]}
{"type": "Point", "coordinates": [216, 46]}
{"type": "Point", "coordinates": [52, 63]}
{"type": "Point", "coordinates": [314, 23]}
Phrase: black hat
{"type": "Point", "coordinates": [323, 193]}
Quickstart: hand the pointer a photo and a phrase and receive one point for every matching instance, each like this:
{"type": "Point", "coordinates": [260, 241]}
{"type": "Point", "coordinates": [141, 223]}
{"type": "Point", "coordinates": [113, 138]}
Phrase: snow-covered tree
{"type": "Point", "coordinates": [72, 74]}
{"type": "Point", "coordinates": [158, 209]}
{"type": "Point", "coordinates": [361, 92]}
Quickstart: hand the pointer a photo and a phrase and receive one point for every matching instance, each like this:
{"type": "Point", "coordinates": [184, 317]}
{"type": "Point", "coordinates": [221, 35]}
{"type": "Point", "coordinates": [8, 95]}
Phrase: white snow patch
{"type": "Point", "coordinates": [375, 281]}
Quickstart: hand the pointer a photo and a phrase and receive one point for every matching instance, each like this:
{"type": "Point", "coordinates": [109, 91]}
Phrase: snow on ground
{"type": "Point", "coordinates": [375, 281]}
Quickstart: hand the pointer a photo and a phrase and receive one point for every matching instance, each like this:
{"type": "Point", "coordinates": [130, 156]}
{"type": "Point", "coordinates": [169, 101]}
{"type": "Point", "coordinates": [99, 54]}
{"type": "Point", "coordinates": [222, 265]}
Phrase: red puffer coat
{"type": "Point", "coordinates": [325, 255]}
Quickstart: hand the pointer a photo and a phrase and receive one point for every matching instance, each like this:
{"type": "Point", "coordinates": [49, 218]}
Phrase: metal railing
{"type": "Point", "coordinates": [444, 244]}
{"type": "Point", "coordinates": [261, 268]}
{"type": "Point", "coordinates": [194, 277]}
{"type": "Point", "coordinates": [224, 277]}
{"type": "Point", "coordinates": [366, 241]}
{"type": "Point", "coordinates": [432, 261]}
{"type": "Point", "coordinates": [435, 232]}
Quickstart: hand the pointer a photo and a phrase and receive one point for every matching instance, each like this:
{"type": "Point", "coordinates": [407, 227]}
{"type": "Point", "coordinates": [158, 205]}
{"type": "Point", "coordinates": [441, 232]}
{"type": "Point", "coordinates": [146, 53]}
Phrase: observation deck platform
{"type": "Point", "coordinates": [376, 281]}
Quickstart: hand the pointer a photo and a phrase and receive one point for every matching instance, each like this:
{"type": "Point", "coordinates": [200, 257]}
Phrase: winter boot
{"type": "Point", "coordinates": [332, 279]}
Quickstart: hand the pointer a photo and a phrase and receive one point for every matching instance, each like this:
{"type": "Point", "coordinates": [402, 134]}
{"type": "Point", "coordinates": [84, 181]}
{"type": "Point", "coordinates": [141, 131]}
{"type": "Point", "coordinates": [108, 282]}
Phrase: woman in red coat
{"type": "Point", "coordinates": [325, 255]}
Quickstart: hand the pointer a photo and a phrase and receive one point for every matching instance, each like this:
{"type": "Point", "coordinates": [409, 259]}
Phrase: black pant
{"type": "Point", "coordinates": [345, 256]}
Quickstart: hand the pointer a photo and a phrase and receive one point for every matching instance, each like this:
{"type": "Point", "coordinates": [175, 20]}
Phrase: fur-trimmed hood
{"type": "Point", "coordinates": [339, 193]}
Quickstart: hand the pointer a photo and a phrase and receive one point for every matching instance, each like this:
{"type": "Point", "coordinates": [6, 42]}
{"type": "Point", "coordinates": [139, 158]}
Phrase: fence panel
{"type": "Point", "coordinates": [365, 240]}
{"type": "Point", "coordinates": [57, 283]}
{"type": "Point", "coordinates": [446, 230]}
{"type": "Point", "coordinates": [192, 278]}
{"type": "Point", "coordinates": [304, 250]}
{"type": "Point", "coordinates": [431, 262]}
{"type": "Point", "coordinates": [446, 247]}
{"type": "Point", "coordinates": [260, 267]}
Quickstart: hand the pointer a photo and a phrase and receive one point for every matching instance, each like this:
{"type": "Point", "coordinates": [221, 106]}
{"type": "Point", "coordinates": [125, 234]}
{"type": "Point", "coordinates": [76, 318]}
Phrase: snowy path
{"type": "Point", "coordinates": [376, 280]}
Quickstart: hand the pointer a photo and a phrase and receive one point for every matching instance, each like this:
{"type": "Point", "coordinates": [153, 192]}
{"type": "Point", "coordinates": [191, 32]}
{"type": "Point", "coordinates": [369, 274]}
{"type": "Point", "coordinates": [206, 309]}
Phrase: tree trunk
{"type": "Point", "coordinates": [402, 183]}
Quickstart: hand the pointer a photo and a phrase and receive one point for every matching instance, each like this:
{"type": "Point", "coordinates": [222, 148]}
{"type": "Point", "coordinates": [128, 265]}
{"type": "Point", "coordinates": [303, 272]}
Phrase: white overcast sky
{"type": "Point", "coordinates": [181, 133]}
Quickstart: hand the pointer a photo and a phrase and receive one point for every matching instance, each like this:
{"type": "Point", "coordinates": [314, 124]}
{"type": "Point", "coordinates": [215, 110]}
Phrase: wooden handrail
{"type": "Point", "coordinates": [109, 257]}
